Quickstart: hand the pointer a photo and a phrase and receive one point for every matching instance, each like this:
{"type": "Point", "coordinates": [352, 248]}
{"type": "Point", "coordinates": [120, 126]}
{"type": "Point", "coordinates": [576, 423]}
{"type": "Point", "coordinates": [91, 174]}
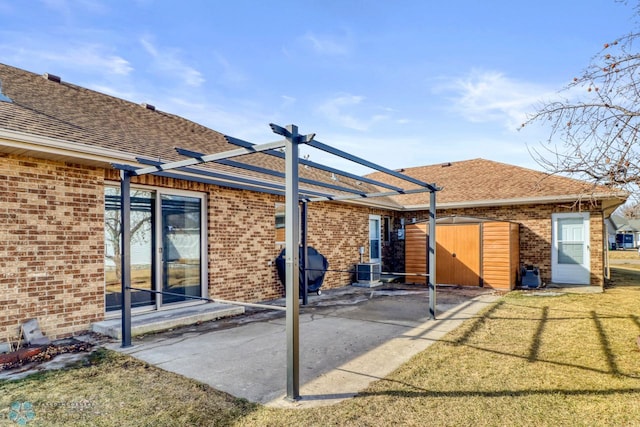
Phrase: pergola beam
{"type": "Point", "coordinates": [275, 153]}
{"type": "Point", "coordinates": [324, 147]}
{"type": "Point", "coordinates": [197, 176]}
{"type": "Point", "coordinates": [210, 157]}
{"type": "Point", "coordinates": [293, 195]}
{"type": "Point", "coordinates": [270, 172]}
{"type": "Point", "coordinates": [366, 196]}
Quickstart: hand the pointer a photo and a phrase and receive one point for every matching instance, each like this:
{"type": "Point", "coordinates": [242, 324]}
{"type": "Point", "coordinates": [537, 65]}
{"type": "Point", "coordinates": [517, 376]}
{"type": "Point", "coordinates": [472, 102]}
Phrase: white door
{"type": "Point", "coordinates": [570, 258]}
{"type": "Point", "coordinates": [375, 248]}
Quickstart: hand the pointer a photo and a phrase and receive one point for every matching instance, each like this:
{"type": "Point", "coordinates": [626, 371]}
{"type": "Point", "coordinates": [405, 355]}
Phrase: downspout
{"type": "Point", "coordinates": [607, 269]}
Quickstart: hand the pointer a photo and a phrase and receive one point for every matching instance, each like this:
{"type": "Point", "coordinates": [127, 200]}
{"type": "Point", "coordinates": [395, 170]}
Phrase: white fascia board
{"type": "Point", "coordinates": [370, 202]}
{"type": "Point", "coordinates": [571, 198]}
{"type": "Point", "coordinates": [26, 141]}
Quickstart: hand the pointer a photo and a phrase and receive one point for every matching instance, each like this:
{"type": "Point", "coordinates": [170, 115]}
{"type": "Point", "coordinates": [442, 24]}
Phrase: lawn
{"type": "Point", "coordinates": [624, 254]}
{"type": "Point", "coordinates": [530, 359]}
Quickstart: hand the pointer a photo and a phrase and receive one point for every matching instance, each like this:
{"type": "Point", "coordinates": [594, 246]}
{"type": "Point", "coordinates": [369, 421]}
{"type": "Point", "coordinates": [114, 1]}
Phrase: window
{"type": "Point", "coordinates": [386, 229]}
{"type": "Point", "coordinates": [280, 222]}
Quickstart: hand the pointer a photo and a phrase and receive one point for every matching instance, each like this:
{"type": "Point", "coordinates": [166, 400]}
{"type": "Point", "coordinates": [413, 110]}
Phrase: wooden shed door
{"type": "Point", "coordinates": [458, 254]}
{"type": "Point", "coordinates": [463, 240]}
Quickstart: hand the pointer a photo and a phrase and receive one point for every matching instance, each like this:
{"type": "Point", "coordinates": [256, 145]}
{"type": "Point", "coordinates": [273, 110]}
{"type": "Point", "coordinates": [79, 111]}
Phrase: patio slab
{"type": "Point", "coordinates": [348, 338]}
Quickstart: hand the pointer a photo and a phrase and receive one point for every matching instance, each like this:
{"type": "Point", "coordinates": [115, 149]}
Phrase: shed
{"type": "Point", "coordinates": [470, 252]}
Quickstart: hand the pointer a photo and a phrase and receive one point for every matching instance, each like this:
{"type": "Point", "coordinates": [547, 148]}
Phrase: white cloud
{"type": "Point", "coordinates": [342, 109]}
{"type": "Point", "coordinates": [91, 57]}
{"type": "Point", "coordinates": [490, 96]}
{"type": "Point", "coordinates": [287, 101]}
{"type": "Point", "coordinates": [94, 58]}
{"type": "Point", "coordinates": [328, 44]}
{"type": "Point", "coordinates": [397, 151]}
{"type": "Point", "coordinates": [236, 120]}
{"type": "Point", "coordinates": [166, 60]}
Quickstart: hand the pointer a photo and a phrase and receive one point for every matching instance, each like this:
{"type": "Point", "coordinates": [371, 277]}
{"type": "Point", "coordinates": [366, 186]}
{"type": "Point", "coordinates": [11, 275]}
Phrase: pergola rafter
{"type": "Point", "coordinates": [294, 196]}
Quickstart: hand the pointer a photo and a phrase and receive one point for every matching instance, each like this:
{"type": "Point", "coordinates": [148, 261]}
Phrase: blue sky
{"type": "Point", "coordinates": [401, 83]}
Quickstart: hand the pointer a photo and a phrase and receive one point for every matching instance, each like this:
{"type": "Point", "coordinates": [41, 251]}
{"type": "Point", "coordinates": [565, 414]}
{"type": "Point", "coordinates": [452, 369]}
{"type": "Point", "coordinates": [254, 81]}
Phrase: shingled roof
{"type": "Point", "coordinates": [481, 182]}
{"type": "Point", "coordinates": [39, 111]}
{"type": "Point", "coordinates": [93, 127]}
{"type": "Point", "coordinates": [45, 106]}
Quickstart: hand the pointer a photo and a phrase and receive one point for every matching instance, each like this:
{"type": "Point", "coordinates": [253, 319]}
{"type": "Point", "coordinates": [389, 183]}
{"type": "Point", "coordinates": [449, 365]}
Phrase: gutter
{"type": "Point", "coordinates": [569, 198]}
{"type": "Point", "coordinates": [60, 147]}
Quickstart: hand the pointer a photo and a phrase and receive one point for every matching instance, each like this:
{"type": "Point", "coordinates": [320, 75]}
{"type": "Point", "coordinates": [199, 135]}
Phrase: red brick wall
{"type": "Point", "coordinates": [338, 231]}
{"type": "Point", "coordinates": [51, 246]}
{"type": "Point", "coordinates": [243, 248]}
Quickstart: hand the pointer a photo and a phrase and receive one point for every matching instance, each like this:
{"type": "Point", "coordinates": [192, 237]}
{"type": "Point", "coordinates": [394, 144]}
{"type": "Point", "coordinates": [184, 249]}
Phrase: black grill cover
{"type": "Point", "coordinates": [317, 266]}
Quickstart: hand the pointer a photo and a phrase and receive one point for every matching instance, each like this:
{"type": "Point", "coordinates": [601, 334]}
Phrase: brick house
{"type": "Point", "coordinates": [59, 211]}
{"type": "Point", "coordinates": [562, 228]}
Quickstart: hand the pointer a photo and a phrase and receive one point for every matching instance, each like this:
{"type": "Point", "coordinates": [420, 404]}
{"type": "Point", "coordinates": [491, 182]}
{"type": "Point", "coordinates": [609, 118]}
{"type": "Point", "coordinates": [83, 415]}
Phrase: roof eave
{"type": "Point", "coordinates": [617, 198]}
{"type": "Point", "coordinates": [42, 146]}
{"type": "Point", "coordinates": [373, 203]}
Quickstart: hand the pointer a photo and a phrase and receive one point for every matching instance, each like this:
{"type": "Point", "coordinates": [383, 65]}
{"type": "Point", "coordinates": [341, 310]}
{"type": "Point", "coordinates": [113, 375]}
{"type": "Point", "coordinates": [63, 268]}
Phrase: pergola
{"type": "Point", "coordinates": [296, 199]}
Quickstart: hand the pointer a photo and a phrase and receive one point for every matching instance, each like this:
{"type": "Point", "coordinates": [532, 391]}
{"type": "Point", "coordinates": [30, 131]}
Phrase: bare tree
{"type": "Point", "coordinates": [594, 128]}
{"type": "Point", "coordinates": [630, 210]}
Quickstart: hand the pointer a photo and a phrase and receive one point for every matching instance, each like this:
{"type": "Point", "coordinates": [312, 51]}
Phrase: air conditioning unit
{"type": "Point", "coordinates": [368, 274]}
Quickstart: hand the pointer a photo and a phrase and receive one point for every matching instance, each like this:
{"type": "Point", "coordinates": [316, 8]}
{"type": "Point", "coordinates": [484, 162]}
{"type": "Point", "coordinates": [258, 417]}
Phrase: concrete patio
{"type": "Point", "coordinates": [349, 337]}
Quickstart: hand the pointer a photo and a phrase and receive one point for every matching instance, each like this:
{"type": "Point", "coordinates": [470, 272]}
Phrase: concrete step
{"type": "Point", "coordinates": [162, 320]}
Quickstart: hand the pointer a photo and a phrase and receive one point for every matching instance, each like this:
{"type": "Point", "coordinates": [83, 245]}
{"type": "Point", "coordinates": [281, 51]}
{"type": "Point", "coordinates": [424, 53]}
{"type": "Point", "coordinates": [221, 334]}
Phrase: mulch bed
{"type": "Point", "coordinates": [40, 354]}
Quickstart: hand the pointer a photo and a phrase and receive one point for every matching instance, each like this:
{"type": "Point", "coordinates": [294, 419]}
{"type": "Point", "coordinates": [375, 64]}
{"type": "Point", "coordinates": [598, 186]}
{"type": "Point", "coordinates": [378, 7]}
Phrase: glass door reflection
{"type": "Point", "coordinates": [142, 244]}
{"type": "Point", "coordinates": [181, 247]}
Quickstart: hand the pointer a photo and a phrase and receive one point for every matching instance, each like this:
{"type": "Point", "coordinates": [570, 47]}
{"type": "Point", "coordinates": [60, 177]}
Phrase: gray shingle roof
{"type": "Point", "coordinates": [67, 112]}
{"type": "Point", "coordinates": [480, 180]}
{"type": "Point", "coordinates": [38, 106]}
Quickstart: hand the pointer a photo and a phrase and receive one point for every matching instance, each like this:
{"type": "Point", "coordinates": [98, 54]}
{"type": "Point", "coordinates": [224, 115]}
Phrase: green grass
{"type": "Point", "coordinates": [566, 360]}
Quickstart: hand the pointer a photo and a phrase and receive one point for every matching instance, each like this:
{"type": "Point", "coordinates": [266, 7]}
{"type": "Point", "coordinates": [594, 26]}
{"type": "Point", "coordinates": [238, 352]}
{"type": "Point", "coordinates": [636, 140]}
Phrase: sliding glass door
{"type": "Point", "coordinates": [167, 248]}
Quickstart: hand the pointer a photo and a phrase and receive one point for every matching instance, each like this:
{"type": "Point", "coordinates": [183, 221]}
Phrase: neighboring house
{"type": "Point", "coordinates": [624, 233]}
{"type": "Point", "coordinates": [635, 226]}
{"type": "Point", "coordinates": [60, 207]}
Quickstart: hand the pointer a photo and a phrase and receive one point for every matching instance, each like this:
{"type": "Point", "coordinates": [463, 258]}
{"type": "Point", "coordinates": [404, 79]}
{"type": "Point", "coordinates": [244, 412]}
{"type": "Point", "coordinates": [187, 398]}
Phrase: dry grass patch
{"type": "Point", "coordinates": [624, 254]}
{"type": "Point", "coordinates": [112, 389]}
